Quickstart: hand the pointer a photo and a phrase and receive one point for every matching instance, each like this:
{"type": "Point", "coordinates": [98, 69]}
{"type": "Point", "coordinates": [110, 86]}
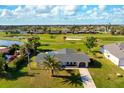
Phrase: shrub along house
{"type": "Point", "coordinates": [114, 52]}
{"type": "Point", "coordinates": [67, 57]}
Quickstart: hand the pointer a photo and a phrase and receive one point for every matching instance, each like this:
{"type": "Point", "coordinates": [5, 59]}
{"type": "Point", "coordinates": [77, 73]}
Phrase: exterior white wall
{"type": "Point", "coordinates": [109, 56]}
{"type": "Point", "coordinates": [86, 64]}
{"type": "Point", "coordinates": [23, 32]}
{"type": "Point", "coordinates": [63, 63]}
{"type": "Point", "coordinates": [77, 64]}
{"type": "Point", "coordinates": [121, 62]}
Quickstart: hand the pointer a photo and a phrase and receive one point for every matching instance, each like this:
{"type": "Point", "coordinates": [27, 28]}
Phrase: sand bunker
{"type": "Point", "coordinates": [73, 38]}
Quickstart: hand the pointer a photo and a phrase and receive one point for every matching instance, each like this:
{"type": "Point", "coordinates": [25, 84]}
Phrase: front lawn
{"type": "Point", "coordinates": [41, 79]}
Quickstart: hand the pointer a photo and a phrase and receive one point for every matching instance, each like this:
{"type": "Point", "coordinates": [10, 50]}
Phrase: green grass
{"type": "Point", "coordinates": [102, 70]}
{"type": "Point", "coordinates": [40, 79]}
{"type": "Point", "coordinates": [107, 70]}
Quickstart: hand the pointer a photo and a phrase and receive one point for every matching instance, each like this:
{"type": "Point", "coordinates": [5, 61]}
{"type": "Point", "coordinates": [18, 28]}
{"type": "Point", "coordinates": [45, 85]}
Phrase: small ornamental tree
{"type": "Point", "coordinates": [64, 38]}
{"type": "Point", "coordinates": [90, 42]}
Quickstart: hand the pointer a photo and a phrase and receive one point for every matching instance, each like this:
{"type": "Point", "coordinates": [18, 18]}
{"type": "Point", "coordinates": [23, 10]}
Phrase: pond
{"type": "Point", "coordinates": [9, 43]}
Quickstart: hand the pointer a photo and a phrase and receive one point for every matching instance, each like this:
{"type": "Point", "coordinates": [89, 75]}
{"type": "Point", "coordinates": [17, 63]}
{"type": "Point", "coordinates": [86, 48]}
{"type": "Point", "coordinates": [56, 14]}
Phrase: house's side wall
{"type": "Point", "coordinates": [121, 63]}
{"type": "Point", "coordinates": [64, 63]}
{"type": "Point", "coordinates": [109, 56]}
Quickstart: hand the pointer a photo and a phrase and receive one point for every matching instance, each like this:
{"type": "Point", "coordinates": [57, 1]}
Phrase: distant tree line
{"type": "Point", "coordinates": [34, 29]}
{"type": "Point", "coordinates": [117, 30]}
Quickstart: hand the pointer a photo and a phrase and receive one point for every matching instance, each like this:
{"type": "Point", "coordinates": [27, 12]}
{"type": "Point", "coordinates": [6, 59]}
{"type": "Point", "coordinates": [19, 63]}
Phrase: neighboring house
{"type": "Point", "coordinates": [23, 32]}
{"type": "Point", "coordinates": [4, 49]}
{"type": "Point", "coordinates": [19, 32]}
{"type": "Point", "coordinates": [54, 32]}
{"type": "Point", "coordinates": [40, 32]}
{"type": "Point", "coordinates": [67, 57]}
{"type": "Point", "coordinates": [37, 32]}
{"type": "Point", "coordinates": [114, 52]}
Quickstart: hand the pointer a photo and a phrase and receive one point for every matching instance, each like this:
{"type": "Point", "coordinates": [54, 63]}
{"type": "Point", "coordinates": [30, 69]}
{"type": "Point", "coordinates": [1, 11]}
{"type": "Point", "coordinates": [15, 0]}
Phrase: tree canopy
{"type": "Point", "coordinates": [52, 64]}
{"type": "Point", "coordinates": [90, 42]}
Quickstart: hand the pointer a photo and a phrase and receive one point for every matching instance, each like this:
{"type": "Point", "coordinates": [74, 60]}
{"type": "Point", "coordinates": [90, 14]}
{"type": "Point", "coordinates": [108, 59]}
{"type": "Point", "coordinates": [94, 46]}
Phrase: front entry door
{"type": "Point", "coordinates": [82, 65]}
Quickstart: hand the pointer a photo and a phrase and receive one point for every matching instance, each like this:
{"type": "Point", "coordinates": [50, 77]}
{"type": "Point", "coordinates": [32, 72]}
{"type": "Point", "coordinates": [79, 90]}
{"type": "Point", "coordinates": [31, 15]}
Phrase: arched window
{"type": "Point", "coordinates": [71, 63]}
{"type": "Point", "coordinates": [74, 63]}
{"type": "Point", "coordinates": [67, 63]}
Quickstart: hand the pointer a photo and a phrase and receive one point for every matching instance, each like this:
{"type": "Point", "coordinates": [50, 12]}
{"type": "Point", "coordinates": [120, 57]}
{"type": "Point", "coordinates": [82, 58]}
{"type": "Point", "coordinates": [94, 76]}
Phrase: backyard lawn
{"type": "Point", "coordinates": [102, 70]}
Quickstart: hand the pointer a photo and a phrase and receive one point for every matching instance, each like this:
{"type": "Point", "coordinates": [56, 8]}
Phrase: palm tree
{"type": "Point", "coordinates": [24, 49]}
{"type": "Point", "coordinates": [34, 43]}
{"type": "Point", "coordinates": [2, 62]}
{"type": "Point", "coordinates": [13, 48]}
{"type": "Point", "coordinates": [73, 79]}
{"type": "Point", "coordinates": [25, 53]}
{"type": "Point", "coordinates": [52, 64]}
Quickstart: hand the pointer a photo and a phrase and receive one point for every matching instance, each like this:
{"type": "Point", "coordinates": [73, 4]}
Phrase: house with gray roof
{"type": "Point", "coordinates": [67, 57]}
{"type": "Point", "coordinates": [114, 52]}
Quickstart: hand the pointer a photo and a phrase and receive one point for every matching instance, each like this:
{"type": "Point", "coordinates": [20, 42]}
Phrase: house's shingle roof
{"type": "Point", "coordinates": [4, 49]}
{"type": "Point", "coordinates": [117, 49]}
{"type": "Point", "coordinates": [65, 51]}
{"type": "Point", "coordinates": [121, 45]}
{"type": "Point", "coordinates": [65, 55]}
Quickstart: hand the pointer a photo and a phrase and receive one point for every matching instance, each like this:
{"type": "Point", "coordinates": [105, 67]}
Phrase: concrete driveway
{"type": "Point", "coordinates": [86, 78]}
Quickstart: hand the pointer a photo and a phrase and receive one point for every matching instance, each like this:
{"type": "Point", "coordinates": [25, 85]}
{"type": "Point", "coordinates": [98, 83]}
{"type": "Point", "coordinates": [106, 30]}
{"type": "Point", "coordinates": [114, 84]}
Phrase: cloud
{"type": "Point", "coordinates": [102, 7]}
{"type": "Point", "coordinates": [6, 13]}
{"type": "Point", "coordinates": [43, 9]}
{"type": "Point", "coordinates": [69, 10]}
{"type": "Point", "coordinates": [89, 11]}
{"type": "Point", "coordinates": [85, 7]}
{"type": "Point", "coordinates": [94, 14]}
{"type": "Point", "coordinates": [60, 14]}
{"type": "Point", "coordinates": [55, 11]}
{"type": "Point", "coordinates": [18, 11]}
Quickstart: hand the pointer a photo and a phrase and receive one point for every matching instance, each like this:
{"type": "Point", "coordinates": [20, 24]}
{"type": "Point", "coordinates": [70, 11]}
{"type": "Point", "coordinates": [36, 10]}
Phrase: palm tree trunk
{"type": "Point", "coordinates": [52, 72]}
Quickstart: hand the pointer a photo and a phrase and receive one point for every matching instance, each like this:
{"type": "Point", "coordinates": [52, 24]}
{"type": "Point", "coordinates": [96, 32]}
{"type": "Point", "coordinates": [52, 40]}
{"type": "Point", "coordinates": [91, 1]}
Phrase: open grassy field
{"type": "Point", "coordinates": [101, 69]}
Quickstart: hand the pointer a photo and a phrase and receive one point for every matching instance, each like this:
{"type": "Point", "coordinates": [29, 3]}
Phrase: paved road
{"type": "Point", "coordinates": [86, 78]}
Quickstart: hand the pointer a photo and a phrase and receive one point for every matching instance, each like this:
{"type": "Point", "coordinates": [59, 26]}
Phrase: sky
{"type": "Point", "coordinates": [61, 14]}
